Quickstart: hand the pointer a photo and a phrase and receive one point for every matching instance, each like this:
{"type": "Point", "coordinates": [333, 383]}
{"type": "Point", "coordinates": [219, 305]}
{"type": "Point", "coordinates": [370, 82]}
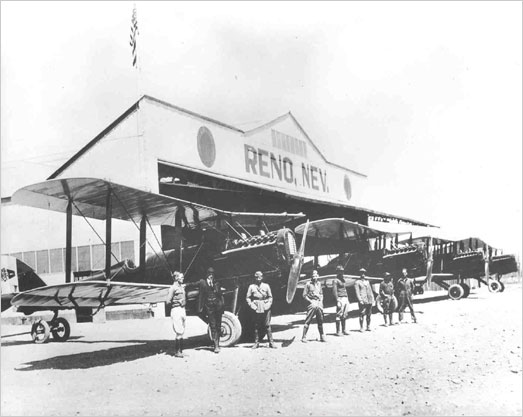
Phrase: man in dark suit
{"type": "Point", "coordinates": [210, 303]}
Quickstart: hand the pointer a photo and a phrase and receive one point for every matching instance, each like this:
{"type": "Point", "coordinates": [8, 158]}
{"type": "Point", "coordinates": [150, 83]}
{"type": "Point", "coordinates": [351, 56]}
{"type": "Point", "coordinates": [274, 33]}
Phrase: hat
{"type": "Point", "coordinates": [258, 274]}
{"type": "Point", "coordinates": [363, 270]}
{"type": "Point", "coordinates": [210, 270]}
{"type": "Point", "coordinates": [339, 268]}
{"type": "Point", "coordinates": [387, 274]}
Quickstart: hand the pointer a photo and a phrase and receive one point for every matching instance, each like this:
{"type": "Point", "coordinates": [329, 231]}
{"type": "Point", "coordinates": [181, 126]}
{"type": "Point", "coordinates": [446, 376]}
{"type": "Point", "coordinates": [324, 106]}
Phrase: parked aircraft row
{"type": "Point", "coordinates": [285, 247]}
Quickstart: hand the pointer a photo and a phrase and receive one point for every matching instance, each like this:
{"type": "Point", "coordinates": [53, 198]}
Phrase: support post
{"type": "Point", "coordinates": [143, 230]}
{"type": "Point", "coordinates": [108, 221]}
{"type": "Point", "coordinates": [68, 240]}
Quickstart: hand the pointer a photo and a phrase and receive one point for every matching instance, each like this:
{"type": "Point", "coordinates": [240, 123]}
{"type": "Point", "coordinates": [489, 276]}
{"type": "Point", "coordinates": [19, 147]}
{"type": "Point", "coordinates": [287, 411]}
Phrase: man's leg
{"type": "Point", "coordinates": [401, 308]}
{"type": "Point", "coordinates": [367, 314]}
{"type": "Point", "coordinates": [256, 331]}
{"type": "Point", "coordinates": [267, 323]}
{"type": "Point", "coordinates": [411, 308]}
{"type": "Point", "coordinates": [308, 319]}
{"type": "Point", "coordinates": [362, 314]}
{"type": "Point", "coordinates": [319, 320]}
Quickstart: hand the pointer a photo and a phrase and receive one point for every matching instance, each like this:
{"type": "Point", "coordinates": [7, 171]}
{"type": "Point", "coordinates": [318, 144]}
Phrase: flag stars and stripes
{"type": "Point", "coordinates": [134, 34]}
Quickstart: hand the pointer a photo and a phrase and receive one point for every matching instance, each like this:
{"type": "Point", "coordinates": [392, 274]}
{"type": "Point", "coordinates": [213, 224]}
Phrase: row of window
{"type": "Point", "coordinates": [83, 258]}
{"type": "Point", "coordinates": [288, 143]}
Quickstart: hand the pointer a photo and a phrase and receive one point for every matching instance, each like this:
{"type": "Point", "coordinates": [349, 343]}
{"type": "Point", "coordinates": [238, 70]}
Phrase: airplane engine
{"type": "Point", "coordinates": [410, 257]}
{"type": "Point", "coordinates": [470, 263]}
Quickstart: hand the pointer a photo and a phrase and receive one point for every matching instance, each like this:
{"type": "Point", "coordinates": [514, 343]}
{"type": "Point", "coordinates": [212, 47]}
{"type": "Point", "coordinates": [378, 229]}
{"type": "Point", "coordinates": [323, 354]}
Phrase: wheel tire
{"type": "Point", "coordinates": [231, 330]}
{"type": "Point", "coordinates": [60, 329]}
{"type": "Point", "coordinates": [502, 286]}
{"type": "Point", "coordinates": [378, 304]}
{"type": "Point", "coordinates": [455, 292]}
{"type": "Point", "coordinates": [395, 303]}
{"type": "Point", "coordinates": [40, 331]}
{"type": "Point", "coordinates": [466, 290]}
{"type": "Point", "coordinates": [494, 286]}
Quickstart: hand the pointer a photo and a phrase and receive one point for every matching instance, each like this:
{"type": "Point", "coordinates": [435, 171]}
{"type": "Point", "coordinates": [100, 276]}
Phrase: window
{"type": "Point", "coordinates": [57, 260]}
{"type": "Point", "coordinates": [84, 258]}
{"type": "Point", "coordinates": [98, 256]}
{"type": "Point", "coordinates": [128, 250]}
{"type": "Point", "coordinates": [30, 259]}
{"type": "Point", "coordinates": [42, 262]}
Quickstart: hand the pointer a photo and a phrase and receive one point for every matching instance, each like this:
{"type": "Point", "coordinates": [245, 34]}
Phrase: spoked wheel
{"type": "Point", "coordinates": [60, 329]}
{"type": "Point", "coordinates": [466, 290]}
{"type": "Point", "coordinates": [231, 329]}
{"type": "Point", "coordinates": [40, 331]}
{"type": "Point", "coordinates": [455, 292]}
{"type": "Point", "coordinates": [494, 286]}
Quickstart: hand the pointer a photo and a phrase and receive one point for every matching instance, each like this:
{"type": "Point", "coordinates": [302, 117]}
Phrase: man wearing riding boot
{"type": "Point", "coordinates": [259, 298]}
{"type": "Point", "coordinates": [365, 298]}
{"type": "Point", "coordinates": [342, 301]}
{"type": "Point", "coordinates": [386, 296]}
{"type": "Point", "coordinates": [405, 286]}
{"type": "Point", "coordinates": [176, 298]}
{"type": "Point", "coordinates": [313, 293]}
{"type": "Point", "coordinates": [210, 303]}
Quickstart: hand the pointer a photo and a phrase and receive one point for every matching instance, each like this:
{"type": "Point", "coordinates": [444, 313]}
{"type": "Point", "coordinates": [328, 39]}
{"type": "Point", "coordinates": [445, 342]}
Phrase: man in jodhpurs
{"type": "Point", "coordinates": [386, 296]}
{"type": "Point", "coordinates": [313, 293]}
{"type": "Point", "coordinates": [259, 298]}
{"type": "Point", "coordinates": [365, 298]}
{"type": "Point", "coordinates": [405, 286]}
{"type": "Point", "coordinates": [210, 303]}
{"type": "Point", "coordinates": [342, 301]}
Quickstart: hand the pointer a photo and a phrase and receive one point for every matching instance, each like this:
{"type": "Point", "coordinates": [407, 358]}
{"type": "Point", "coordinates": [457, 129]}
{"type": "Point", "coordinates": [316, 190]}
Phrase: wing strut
{"type": "Point", "coordinates": [108, 234]}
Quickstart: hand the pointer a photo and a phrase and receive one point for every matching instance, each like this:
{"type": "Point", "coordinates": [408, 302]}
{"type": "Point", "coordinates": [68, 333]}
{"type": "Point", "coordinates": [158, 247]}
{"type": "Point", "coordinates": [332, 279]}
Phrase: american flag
{"type": "Point", "coordinates": [134, 34]}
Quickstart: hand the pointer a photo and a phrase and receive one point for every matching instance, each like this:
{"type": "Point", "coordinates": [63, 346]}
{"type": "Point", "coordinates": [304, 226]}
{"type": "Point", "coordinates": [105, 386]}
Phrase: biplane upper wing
{"type": "Point", "coordinates": [90, 294]}
{"type": "Point", "coordinates": [89, 198]}
{"type": "Point", "coordinates": [335, 235]}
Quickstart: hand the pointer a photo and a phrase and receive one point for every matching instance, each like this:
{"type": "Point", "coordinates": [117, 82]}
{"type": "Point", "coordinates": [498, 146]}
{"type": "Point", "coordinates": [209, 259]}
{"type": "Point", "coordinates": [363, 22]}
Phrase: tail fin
{"type": "Point", "coordinates": [17, 276]}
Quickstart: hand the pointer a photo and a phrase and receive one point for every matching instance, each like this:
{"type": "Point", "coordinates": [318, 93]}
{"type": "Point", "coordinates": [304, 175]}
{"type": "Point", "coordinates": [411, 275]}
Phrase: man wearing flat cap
{"type": "Point", "coordinates": [365, 298]}
{"type": "Point", "coordinates": [342, 301]}
{"type": "Point", "coordinates": [387, 297]}
{"type": "Point", "coordinates": [259, 298]}
{"type": "Point", "coordinates": [210, 303]}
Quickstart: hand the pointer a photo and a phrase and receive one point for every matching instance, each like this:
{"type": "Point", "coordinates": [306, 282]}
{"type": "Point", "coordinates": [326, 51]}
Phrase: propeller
{"type": "Point", "coordinates": [430, 260]}
{"type": "Point", "coordinates": [297, 263]}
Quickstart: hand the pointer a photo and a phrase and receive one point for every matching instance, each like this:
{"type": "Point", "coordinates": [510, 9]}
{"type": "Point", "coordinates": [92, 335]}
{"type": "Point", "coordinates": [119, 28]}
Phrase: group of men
{"type": "Point", "coordinates": [259, 299]}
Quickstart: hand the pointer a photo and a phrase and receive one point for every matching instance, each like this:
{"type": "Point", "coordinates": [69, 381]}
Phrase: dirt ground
{"type": "Point", "coordinates": [462, 358]}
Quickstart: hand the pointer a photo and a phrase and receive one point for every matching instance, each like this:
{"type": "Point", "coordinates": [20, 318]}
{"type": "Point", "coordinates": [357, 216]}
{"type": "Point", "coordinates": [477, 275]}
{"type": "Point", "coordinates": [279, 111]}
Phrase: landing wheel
{"type": "Point", "coordinates": [393, 306]}
{"type": "Point", "coordinates": [502, 286]}
{"type": "Point", "coordinates": [466, 290]}
{"type": "Point", "coordinates": [455, 292]}
{"type": "Point", "coordinates": [40, 331]}
{"type": "Point", "coordinates": [231, 329]}
{"type": "Point", "coordinates": [60, 329]}
{"type": "Point", "coordinates": [494, 286]}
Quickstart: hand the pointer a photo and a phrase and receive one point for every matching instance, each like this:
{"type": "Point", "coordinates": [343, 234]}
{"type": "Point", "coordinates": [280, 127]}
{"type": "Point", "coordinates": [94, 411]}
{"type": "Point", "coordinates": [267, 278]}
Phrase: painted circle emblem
{"type": "Point", "coordinates": [206, 146]}
{"type": "Point", "coordinates": [347, 187]}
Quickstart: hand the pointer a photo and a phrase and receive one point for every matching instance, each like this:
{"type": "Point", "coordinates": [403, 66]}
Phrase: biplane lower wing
{"type": "Point", "coordinates": [92, 294]}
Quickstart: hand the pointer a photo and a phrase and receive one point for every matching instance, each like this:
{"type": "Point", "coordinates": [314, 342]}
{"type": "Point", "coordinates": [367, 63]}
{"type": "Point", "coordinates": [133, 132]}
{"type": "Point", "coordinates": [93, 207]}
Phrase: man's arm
{"type": "Point", "coordinates": [248, 297]}
{"type": "Point", "coordinates": [335, 290]}
{"type": "Point", "coordinates": [357, 289]}
{"type": "Point", "coordinates": [200, 295]}
{"type": "Point", "coordinates": [269, 297]}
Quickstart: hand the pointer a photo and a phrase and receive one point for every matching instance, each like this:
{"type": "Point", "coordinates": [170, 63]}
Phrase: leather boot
{"type": "Point", "coordinates": [338, 332]}
{"type": "Point", "coordinates": [343, 328]}
{"type": "Point", "coordinates": [180, 347]}
{"type": "Point", "coordinates": [390, 319]}
{"type": "Point", "coordinates": [400, 315]}
{"type": "Point", "coordinates": [177, 352]}
{"type": "Point", "coordinates": [385, 320]}
{"type": "Point", "coordinates": [269, 336]}
{"type": "Point", "coordinates": [320, 329]}
{"type": "Point", "coordinates": [304, 337]}
{"type": "Point", "coordinates": [413, 318]}
{"type": "Point", "coordinates": [217, 345]}
{"type": "Point", "coordinates": [256, 340]}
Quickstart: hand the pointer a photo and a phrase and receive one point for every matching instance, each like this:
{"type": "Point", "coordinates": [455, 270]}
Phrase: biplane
{"type": "Point", "coordinates": [236, 244]}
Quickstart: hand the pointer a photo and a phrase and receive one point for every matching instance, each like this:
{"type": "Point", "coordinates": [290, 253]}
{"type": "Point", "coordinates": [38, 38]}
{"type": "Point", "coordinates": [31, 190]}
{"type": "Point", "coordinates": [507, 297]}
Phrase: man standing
{"type": "Point", "coordinates": [313, 293]}
{"type": "Point", "coordinates": [342, 301]}
{"type": "Point", "coordinates": [405, 286]}
{"type": "Point", "coordinates": [210, 303]}
{"type": "Point", "coordinates": [365, 298]}
{"type": "Point", "coordinates": [259, 298]}
{"type": "Point", "coordinates": [386, 296]}
{"type": "Point", "coordinates": [176, 298]}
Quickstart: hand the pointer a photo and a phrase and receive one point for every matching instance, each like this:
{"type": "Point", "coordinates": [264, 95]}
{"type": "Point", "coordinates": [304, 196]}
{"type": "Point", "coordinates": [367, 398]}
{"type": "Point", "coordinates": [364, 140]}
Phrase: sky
{"type": "Point", "coordinates": [425, 98]}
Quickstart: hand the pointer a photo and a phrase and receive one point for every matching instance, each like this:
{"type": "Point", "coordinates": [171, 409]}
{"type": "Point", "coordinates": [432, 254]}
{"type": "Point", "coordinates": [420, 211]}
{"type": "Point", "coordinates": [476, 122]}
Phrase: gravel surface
{"type": "Point", "coordinates": [462, 358]}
